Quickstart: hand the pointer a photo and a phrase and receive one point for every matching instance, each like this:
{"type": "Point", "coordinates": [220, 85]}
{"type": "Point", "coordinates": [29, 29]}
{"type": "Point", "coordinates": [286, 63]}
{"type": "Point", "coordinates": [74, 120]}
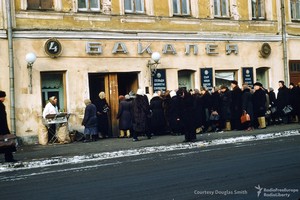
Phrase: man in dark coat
{"type": "Point", "coordinates": [158, 118]}
{"type": "Point", "coordinates": [294, 100]}
{"type": "Point", "coordinates": [226, 101]}
{"type": "Point", "coordinates": [236, 106]}
{"type": "Point", "coordinates": [283, 99]}
{"type": "Point", "coordinates": [259, 105]}
{"type": "Point", "coordinates": [5, 130]}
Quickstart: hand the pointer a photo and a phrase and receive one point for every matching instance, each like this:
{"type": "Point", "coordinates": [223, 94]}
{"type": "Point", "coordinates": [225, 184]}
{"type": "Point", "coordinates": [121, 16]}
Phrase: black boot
{"type": "Point", "coordinates": [9, 157]}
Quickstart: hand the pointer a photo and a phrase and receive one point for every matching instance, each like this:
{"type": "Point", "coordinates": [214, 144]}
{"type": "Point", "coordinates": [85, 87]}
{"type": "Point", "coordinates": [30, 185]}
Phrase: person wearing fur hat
{"type": "Point", "coordinates": [125, 116]}
{"type": "Point", "coordinates": [157, 120]}
{"type": "Point", "coordinates": [8, 155]}
{"type": "Point", "coordinates": [236, 106]}
{"type": "Point", "coordinates": [175, 114]}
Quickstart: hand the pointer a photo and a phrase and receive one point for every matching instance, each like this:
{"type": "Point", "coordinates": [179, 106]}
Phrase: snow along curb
{"type": "Point", "coordinates": [140, 151]}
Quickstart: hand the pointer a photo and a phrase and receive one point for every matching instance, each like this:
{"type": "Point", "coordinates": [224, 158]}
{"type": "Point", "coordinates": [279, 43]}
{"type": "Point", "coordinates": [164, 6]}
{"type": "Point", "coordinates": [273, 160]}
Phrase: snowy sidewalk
{"type": "Point", "coordinates": [36, 156]}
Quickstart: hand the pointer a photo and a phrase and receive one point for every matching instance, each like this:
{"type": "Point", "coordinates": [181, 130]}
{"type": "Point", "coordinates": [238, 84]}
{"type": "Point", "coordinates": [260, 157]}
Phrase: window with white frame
{"type": "Point", "coordinates": [89, 5]}
{"type": "Point", "coordinates": [258, 9]}
{"type": "Point", "coordinates": [181, 7]}
{"type": "Point", "coordinates": [134, 6]}
{"type": "Point", "coordinates": [295, 9]}
{"type": "Point", "coordinates": [40, 5]}
{"type": "Point", "coordinates": [221, 8]}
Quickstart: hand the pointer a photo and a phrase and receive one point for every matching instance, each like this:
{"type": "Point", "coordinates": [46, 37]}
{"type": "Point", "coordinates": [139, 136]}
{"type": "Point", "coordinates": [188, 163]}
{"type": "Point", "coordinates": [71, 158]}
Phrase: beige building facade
{"type": "Point", "coordinates": [87, 46]}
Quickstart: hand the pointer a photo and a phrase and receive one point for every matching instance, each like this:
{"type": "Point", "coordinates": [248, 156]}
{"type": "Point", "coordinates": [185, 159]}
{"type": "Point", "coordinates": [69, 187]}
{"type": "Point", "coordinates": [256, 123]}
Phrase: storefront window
{"type": "Point", "coordinates": [224, 77]}
{"type": "Point", "coordinates": [186, 79]}
{"type": "Point", "coordinates": [262, 76]}
{"type": "Point", "coordinates": [53, 85]}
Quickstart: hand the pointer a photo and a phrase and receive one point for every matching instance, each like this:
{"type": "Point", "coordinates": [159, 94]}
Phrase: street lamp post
{"type": "Point", "coordinates": [152, 65]}
{"type": "Point", "coordinates": [30, 59]}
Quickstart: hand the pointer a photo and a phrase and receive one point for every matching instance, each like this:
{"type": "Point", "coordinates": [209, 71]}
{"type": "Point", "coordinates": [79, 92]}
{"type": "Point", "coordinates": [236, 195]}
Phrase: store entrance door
{"type": "Point", "coordinates": [113, 84]}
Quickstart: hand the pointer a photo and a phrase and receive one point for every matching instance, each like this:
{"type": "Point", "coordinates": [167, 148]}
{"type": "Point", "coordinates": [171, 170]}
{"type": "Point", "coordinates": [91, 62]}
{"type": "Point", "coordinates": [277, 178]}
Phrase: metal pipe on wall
{"type": "Point", "coordinates": [284, 44]}
{"type": "Point", "coordinates": [11, 67]}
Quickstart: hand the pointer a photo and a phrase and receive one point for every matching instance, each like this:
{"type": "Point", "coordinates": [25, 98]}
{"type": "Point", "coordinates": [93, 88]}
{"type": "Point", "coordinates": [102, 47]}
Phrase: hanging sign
{"type": "Point", "coordinates": [207, 78]}
{"type": "Point", "coordinates": [248, 75]}
{"type": "Point", "coordinates": [159, 80]}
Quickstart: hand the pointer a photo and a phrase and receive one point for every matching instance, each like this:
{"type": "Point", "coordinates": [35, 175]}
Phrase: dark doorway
{"type": "Point", "coordinates": [113, 84]}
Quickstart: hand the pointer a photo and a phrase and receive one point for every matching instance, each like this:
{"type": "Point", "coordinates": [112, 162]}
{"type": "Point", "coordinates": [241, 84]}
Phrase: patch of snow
{"type": "Point", "coordinates": [141, 151]}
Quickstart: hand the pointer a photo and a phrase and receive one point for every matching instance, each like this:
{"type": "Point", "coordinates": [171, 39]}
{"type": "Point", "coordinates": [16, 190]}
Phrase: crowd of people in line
{"type": "Point", "coordinates": [187, 113]}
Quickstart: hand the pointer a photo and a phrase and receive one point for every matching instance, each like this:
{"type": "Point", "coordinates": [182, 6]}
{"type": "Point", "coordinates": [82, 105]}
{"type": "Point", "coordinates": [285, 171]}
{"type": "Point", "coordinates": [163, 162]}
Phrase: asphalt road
{"type": "Point", "coordinates": [220, 172]}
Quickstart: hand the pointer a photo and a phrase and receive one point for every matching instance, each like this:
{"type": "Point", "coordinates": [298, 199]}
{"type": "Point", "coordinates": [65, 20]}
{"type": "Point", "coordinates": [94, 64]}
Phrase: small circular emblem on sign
{"type": "Point", "coordinates": [53, 47]}
{"type": "Point", "coordinates": [206, 72]}
{"type": "Point", "coordinates": [158, 75]}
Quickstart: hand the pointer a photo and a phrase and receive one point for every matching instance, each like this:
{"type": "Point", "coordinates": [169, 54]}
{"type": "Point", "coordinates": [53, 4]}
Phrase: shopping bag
{"type": "Point", "coordinates": [245, 118]}
{"type": "Point", "coordinates": [287, 109]}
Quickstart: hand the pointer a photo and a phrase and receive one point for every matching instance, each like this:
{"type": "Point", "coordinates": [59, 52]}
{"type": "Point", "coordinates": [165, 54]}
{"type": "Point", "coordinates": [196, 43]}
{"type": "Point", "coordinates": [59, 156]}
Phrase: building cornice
{"type": "Point", "coordinates": [203, 36]}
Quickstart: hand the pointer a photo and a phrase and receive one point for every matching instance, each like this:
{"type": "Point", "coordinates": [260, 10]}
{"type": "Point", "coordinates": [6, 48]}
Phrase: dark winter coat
{"type": "Point", "coordinates": [283, 97]}
{"type": "Point", "coordinates": [216, 102]}
{"type": "Point", "coordinates": [295, 99]}
{"type": "Point", "coordinates": [102, 115]}
{"type": "Point", "coordinates": [236, 103]}
{"type": "Point", "coordinates": [199, 110]}
{"type": "Point", "coordinates": [247, 103]}
{"type": "Point", "coordinates": [226, 105]}
{"type": "Point", "coordinates": [4, 128]}
{"type": "Point", "coordinates": [259, 103]}
{"type": "Point", "coordinates": [157, 118]}
{"type": "Point", "coordinates": [125, 115]}
{"type": "Point", "coordinates": [272, 99]}
{"type": "Point", "coordinates": [90, 116]}
{"type": "Point", "coordinates": [3, 120]}
{"type": "Point", "coordinates": [141, 111]}
{"type": "Point", "coordinates": [175, 114]}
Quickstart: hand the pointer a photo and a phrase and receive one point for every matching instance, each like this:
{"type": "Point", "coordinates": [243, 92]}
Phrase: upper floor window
{"type": "Point", "coordinates": [40, 4]}
{"type": "Point", "coordinates": [181, 7]}
{"type": "Point", "coordinates": [258, 9]}
{"type": "Point", "coordinates": [221, 8]}
{"type": "Point", "coordinates": [89, 5]}
{"type": "Point", "coordinates": [295, 9]}
{"type": "Point", "coordinates": [134, 6]}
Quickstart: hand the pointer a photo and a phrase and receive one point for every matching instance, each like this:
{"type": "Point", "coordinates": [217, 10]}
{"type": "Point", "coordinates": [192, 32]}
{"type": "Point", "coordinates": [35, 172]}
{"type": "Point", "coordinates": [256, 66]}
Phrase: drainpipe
{"type": "Point", "coordinates": [11, 67]}
{"type": "Point", "coordinates": [284, 44]}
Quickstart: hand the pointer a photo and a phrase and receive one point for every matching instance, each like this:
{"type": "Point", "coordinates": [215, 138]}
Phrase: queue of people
{"type": "Point", "coordinates": [182, 112]}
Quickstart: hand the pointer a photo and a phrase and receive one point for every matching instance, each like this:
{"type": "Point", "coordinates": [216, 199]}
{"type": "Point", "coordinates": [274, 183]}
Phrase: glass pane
{"type": "Point", "coordinates": [94, 4]}
{"type": "Point", "coordinates": [128, 5]}
{"type": "Point", "coordinates": [139, 5]}
{"type": "Point", "coordinates": [253, 7]}
{"type": "Point", "coordinates": [224, 8]}
{"type": "Point", "coordinates": [217, 7]}
{"type": "Point", "coordinates": [175, 7]}
{"type": "Point", "coordinates": [298, 10]}
{"type": "Point", "coordinates": [82, 4]}
{"type": "Point", "coordinates": [185, 7]}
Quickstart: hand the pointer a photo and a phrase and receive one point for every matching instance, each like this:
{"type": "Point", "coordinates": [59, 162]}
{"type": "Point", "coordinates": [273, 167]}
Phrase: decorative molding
{"type": "Point", "coordinates": [203, 36]}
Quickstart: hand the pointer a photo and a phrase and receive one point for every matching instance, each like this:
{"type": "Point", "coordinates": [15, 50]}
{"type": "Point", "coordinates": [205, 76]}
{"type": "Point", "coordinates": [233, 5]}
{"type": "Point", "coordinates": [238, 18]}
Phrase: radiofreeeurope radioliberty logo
{"type": "Point", "coordinates": [275, 192]}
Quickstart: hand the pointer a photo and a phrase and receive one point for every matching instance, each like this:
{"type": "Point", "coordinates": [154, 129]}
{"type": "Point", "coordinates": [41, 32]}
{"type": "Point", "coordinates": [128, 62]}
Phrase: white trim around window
{"type": "Point", "coordinates": [148, 8]}
{"type": "Point", "coordinates": [193, 9]}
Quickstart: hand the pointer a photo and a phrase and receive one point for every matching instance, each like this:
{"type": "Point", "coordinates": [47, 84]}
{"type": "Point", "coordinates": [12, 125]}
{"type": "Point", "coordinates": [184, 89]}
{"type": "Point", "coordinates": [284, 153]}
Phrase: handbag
{"type": "Point", "coordinates": [7, 141]}
{"type": "Point", "coordinates": [245, 118]}
{"type": "Point", "coordinates": [273, 110]}
{"type": "Point", "coordinates": [287, 109]}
